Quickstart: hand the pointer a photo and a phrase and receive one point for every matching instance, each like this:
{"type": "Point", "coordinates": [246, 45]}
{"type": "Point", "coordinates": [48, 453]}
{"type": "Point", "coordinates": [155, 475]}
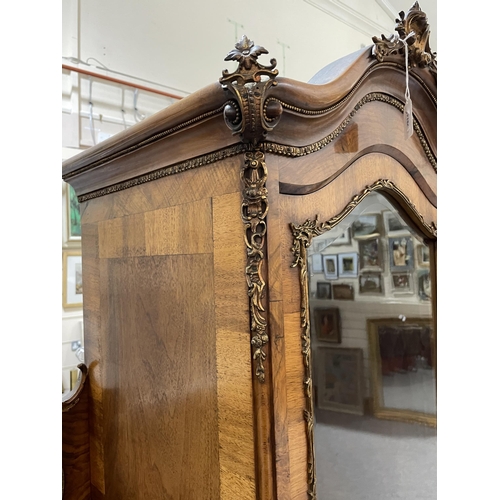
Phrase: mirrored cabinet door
{"type": "Point", "coordinates": [373, 359]}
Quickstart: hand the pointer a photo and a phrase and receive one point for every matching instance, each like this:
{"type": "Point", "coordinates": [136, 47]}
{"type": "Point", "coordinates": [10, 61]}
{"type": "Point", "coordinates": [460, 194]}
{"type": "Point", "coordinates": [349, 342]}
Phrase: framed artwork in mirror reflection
{"type": "Point", "coordinates": [424, 285]}
{"type": "Point", "coordinates": [348, 265]}
{"type": "Point", "coordinates": [394, 225]}
{"type": "Point", "coordinates": [402, 283]}
{"type": "Point", "coordinates": [366, 226]}
{"type": "Point", "coordinates": [317, 263]}
{"type": "Point", "coordinates": [327, 324]}
{"type": "Point", "coordinates": [343, 292]}
{"type": "Point", "coordinates": [371, 284]}
{"type": "Point", "coordinates": [323, 290]}
{"type": "Point", "coordinates": [370, 254]}
{"type": "Point", "coordinates": [423, 256]}
{"type": "Point", "coordinates": [401, 253]}
{"type": "Point", "coordinates": [340, 379]}
{"type": "Point", "coordinates": [330, 267]}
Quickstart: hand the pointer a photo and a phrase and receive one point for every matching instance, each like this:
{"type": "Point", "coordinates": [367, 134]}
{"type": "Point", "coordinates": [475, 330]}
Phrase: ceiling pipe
{"type": "Point", "coordinates": [120, 82]}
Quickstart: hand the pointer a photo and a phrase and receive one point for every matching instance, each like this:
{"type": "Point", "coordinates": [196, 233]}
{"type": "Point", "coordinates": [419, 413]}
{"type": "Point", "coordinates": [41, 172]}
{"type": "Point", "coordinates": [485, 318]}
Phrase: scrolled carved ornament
{"type": "Point", "coordinates": [248, 113]}
{"type": "Point", "coordinates": [419, 51]}
{"type": "Point", "coordinates": [253, 212]}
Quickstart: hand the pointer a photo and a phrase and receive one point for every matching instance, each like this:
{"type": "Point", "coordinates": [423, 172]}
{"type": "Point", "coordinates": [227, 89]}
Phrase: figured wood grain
{"type": "Point", "coordinates": [160, 405]}
{"type": "Point", "coordinates": [233, 353]}
{"type": "Point", "coordinates": [379, 128]}
{"type": "Point", "coordinates": [295, 406]}
{"type": "Point", "coordinates": [75, 444]}
{"type": "Point", "coordinates": [91, 279]}
{"type": "Point", "coordinates": [280, 401]}
{"type": "Point", "coordinates": [295, 125]}
{"type": "Point", "coordinates": [186, 187]}
{"type": "Point", "coordinates": [181, 229]}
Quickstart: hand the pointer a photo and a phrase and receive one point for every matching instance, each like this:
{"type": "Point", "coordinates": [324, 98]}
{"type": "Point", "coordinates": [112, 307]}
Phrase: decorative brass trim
{"type": "Point", "coordinates": [295, 151]}
{"type": "Point", "coordinates": [250, 117]}
{"type": "Point", "coordinates": [199, 161]}
{"type": "Point", "coordinates": [254, 209]}
{"type": "Point", "coordinates": [302, 237]}
{"type": "Point", "coordinates": [419, 51]}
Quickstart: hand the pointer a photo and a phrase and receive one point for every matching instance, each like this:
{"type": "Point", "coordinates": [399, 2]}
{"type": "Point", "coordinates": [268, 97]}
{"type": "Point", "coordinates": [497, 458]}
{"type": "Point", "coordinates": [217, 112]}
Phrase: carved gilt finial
{"type": "Point", "coordinates": [248, 114]}
{"type": "Point", "coordinates": [419, 52]}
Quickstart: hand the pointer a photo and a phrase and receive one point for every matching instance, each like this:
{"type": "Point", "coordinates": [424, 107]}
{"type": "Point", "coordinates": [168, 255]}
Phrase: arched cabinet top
{"type": "Point", "coordinates": [352, 107]}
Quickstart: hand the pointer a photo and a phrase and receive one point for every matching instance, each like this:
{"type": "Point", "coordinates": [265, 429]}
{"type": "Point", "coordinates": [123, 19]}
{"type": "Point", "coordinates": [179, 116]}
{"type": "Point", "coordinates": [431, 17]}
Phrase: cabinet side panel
{"type": "Point", "coordinates": [93, 351]}
{"type": "Point", "coordinates": [160, 407]}
{"type": "Point", "coordinates": [234, 367]}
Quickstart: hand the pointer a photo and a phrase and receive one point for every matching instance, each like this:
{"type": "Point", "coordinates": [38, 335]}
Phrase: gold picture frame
{"type": "Point", "coordinates": [382, 366]}
{"type": "Point", "coordinates": [72, 279]}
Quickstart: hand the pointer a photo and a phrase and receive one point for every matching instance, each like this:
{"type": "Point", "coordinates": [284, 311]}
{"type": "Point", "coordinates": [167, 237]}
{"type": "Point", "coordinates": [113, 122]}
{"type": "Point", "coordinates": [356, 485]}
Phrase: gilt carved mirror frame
{"type": "Point", "coordinates": [303, 235]}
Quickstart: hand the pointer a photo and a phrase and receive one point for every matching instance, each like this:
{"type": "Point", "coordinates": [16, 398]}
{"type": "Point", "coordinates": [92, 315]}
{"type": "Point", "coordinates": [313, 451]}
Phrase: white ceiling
{"type": "Point", "coordinates": [182, 45]}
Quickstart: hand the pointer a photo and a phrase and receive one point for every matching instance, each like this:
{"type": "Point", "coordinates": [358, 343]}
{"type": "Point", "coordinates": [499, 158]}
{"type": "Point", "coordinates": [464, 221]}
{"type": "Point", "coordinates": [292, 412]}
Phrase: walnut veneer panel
{"type": "Point", "coordinates": [168, 341]}
{"type": "Point", "coordinates": [75, 446]}
{"type": "Point", "coordinates": [192, 185]}
{"type": "Point", "coordinates": [160, 401]}
{"type": "Point", "coordinates": [93, 351]}
{"type": "Point", "coordinates": [234, 367]}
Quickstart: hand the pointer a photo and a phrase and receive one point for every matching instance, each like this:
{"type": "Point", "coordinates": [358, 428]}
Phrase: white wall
{"type": "Point", "coordinates": [72, 319]}
{"type": "Point", "coordinates": [180, 47]}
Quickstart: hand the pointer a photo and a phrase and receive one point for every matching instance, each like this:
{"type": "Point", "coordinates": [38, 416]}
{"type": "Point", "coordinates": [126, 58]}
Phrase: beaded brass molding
{"type": "Point", "coordinates": [177, 168]}
{"type": "Point", "coordinates": [250, 117]}
{"type": "Point", "coordinates": [302, 237]}
{"type": "Point", "coordinates": [419, 52]}
{"type": "Point", "coordinates": [295, 151]}
{"type": "Point", "coordinates": [254, 209]}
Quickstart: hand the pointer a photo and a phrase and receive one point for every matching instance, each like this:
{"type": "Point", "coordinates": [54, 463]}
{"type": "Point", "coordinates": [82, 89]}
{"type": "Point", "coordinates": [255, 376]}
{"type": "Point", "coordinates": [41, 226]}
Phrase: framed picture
{"type": "Point", "coordinates": [330, 267]}
{"type": "Point", "coordinates": [394, 224]}
{"type": "Point", "coordinates": [317, 263]}
{"type": "Point", "coordinates": [371, 284]}
{"type": "Point", "coordinates": [402, 283]}
{"type": "Point", "coordinates": [370, 254]}
{"type": "Point", "coordinates": [72, 279]}
{"type": "Point", "coordinates": [402, 366]}
{"type": "Point", "coordinates": [343, 292]}
{"type": "Point", "coordinates": [424, 285]}
{"type": "Point", "coordinates": [423, 256]}
{"type": "Point", "coordinates": [340, 379]}
{"type": "Point", "coordinates": [366, 226]}
{"type": "Point", "coordinates": [348, 265]}
{"type": "Point", "coordinates": [401, 253]}
{"type": "Point", "coordinates": [323, 290]}
{"type": "Point", "coordinates": [327, 324]}
{"type": "Point", "coordinates": [337, 236]}
{"type": "Point", "coordinates": [73, 215]}
{"type": "Point", "coordinates": [343, 238]}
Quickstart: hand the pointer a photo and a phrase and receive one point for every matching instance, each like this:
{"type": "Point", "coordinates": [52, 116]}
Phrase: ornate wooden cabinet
{"type": "Point", "coordinates": [195, 230]}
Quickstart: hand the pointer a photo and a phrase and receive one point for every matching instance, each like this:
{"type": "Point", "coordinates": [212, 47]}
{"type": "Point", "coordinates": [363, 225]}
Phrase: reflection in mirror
{"type": "Point", "coordinates": [373, 357]}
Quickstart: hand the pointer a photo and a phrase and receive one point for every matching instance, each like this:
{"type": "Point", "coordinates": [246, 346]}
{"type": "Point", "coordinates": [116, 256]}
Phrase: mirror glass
{"type": "Point", "coordinates": [373, 357]}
